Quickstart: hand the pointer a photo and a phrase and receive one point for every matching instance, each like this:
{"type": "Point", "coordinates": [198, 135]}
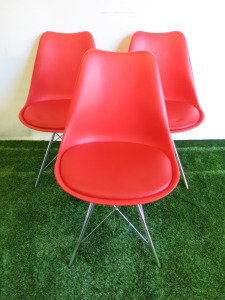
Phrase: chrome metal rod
{"type": "Point", "coordinates": [142, 215]}
{"type": "Point", "coordinates": [50, 162]}
{"type": "Point", "coordinates": [180, 165]}
{"type": "Point", "coordinates": [59, 136]}
{"type": "Point", "coordinates": [87, 218]}
{"type": "Point", "coordinates": [98, 225]}
{"type": "Point", "coordinates": [140, 210]}
{"type": "Point", "coordinates": [125, 218]}
{"type": "Point", "coordinates": [46, 154]}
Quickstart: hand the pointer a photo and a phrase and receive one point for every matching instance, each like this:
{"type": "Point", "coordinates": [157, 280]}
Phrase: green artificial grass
{"type": "Point", "coordinates": [39, 227]}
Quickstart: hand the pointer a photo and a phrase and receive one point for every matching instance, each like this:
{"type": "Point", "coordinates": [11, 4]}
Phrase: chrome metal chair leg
{"type": "Point", "coordinates": [142, 217]}
{"type": "Point", "coordinates": [43, 162]}
{"type": "Point", "coordinates": [180, 165]}
{"type": "Point", "coordinates": [125, 218]}
{"type": "Point", "coordinates": [87, 218]}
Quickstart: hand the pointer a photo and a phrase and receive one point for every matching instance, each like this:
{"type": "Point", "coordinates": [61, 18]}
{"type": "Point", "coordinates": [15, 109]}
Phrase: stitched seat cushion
{"type": "Point", "coordinates": [51, 114]}
{"type": "Point", "coordinates": [181, 115]}
{"type": "Point", "coordinates": [115, 170]}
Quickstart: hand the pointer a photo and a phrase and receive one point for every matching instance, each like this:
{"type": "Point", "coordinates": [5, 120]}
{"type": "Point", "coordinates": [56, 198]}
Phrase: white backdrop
{"type": "Point", "coordinates": [112, 23]}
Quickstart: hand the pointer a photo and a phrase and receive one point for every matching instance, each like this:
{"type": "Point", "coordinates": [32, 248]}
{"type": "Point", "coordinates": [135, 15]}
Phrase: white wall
{"type": "Point", "coordinates": [112, 24]}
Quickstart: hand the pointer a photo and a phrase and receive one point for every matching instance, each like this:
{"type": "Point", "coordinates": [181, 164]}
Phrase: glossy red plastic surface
{"type": "Point", "coordinates": [116, 148]}
{"type": "Point", "coordinates": [171, 52]}
{"type": "Point", "coordinates": [55, 70]}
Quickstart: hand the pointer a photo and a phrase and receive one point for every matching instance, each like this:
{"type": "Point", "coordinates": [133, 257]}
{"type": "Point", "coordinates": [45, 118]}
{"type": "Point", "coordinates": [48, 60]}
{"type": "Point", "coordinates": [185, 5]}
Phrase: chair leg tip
{"type": "Point", "coordinates": [159, 264]}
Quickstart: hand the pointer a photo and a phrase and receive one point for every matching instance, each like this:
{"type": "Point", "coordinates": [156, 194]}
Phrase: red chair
{"type": "Point", "coordinates": [116, 149]}
{"type": "Point", "coordinates": [171, 52]}
{"type": "Point", "coordinates": [56, 66]}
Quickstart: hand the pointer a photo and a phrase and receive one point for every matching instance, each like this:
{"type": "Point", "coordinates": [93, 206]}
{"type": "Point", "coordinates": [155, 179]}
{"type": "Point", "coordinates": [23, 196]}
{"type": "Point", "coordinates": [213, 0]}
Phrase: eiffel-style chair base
{"type": "Point", "coordinates": [87, 218]}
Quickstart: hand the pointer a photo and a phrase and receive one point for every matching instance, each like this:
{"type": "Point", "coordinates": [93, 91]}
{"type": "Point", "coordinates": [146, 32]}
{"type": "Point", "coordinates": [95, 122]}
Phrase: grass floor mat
{"type": "Point", "coordinates": [39, 227]}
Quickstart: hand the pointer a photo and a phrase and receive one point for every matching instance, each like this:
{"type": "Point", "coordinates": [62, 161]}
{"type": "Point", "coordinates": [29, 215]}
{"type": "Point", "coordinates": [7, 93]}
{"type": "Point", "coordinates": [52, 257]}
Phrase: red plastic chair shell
{"type": "Point", "coordinates": [56, 66]}
{"type": "Point", "coordinates": [171, 52]}
{"type": "Point", "coordinates": [116, 148]}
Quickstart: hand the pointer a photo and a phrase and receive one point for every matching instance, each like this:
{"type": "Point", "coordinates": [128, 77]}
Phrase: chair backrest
{"type": "Point", "coordinates": [57, 62]}
{"type": "Point", "coordinates": [117, 98]}
{"type": "Point", "coordinates": [56, 66]}
{"type": "Point", "coordinates": [171, 52]}
{"type": "Point", "coordinates": [111, 100]}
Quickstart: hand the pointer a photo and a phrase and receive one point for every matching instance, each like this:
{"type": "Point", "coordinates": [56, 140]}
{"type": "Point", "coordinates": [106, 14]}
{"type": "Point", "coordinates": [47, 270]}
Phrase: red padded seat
{"type": "Point", "coordinates": [116, 170]}
{"type": "Point", "coordinates": [181, 115]}
{"type": "Point", "coordinates": [51, 114]}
